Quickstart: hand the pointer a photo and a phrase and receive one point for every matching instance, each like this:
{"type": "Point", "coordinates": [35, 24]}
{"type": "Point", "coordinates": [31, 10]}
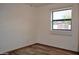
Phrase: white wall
{"type": "Point", "coordinates": [16, 26]}
{"type": "Point", "coordinates": [61, 39]}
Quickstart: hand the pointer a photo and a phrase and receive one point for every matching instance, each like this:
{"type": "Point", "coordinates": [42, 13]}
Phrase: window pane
{"type": "Point", "coordinates": [62, 25]}
{"type": "Point", "coordinates": [65, 14]}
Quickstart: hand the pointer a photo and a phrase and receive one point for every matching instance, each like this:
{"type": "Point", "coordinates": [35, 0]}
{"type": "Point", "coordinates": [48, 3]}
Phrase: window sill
{"type": "Point", "coordinates": [61, 32]}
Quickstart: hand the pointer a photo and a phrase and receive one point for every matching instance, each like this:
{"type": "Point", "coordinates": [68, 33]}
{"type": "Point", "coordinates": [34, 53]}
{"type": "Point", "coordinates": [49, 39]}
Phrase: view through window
{"type": "Point", "coordinates": [62, 19]}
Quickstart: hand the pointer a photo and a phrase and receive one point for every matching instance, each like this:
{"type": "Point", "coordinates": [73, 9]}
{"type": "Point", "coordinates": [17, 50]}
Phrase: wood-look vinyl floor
{"type": "Point", "coordinates": [40, 50]}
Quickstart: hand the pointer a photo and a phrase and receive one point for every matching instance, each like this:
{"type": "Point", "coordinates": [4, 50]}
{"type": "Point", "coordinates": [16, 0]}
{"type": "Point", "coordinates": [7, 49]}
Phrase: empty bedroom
{"type": "Point", "coordinates": [39, 28]}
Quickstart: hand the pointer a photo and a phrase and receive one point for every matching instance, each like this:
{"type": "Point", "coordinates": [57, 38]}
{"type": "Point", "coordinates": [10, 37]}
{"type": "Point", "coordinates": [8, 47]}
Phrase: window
{"type": "Point", "coordinates": [61, 20]}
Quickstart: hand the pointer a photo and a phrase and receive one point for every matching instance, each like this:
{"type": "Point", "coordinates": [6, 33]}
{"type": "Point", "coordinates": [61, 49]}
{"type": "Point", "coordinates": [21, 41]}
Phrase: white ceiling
{"type": "Point", "coordinates": [38, 4]}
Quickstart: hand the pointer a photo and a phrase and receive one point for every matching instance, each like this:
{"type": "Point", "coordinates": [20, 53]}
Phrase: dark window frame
{"type": "Point", "coordinates": [62, 20]}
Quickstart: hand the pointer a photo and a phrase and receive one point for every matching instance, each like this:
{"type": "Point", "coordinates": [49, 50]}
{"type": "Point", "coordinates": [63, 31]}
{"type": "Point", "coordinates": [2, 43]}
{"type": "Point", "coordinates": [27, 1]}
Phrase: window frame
{"type": "Point", "coordinates": [61, 9]}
